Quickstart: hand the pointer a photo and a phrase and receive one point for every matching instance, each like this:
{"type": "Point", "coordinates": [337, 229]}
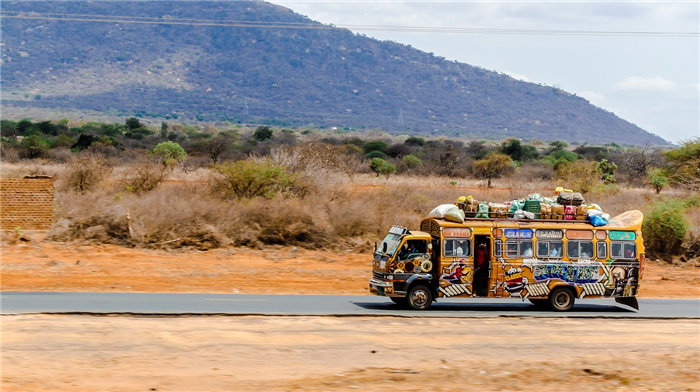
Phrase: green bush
{"type": "Point", "coordinates": [171, 153]}
{"type": "Point", "coordinates": [249, 179]}
{"type": "Point", "coordinates": [665, 227]}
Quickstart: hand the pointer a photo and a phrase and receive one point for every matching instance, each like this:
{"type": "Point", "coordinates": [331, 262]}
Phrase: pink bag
{"type": "Point", "coordinates": [569, 212]}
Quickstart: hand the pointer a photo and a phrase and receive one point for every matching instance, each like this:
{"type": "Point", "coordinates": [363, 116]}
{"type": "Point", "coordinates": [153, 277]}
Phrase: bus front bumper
{"type": "Point", "coordinates": [384, 289]}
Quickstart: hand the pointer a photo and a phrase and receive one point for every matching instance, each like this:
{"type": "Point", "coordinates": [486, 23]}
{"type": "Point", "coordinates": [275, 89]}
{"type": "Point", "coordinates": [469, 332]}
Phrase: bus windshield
{"type": "Point", "coordinates": [392, 243]}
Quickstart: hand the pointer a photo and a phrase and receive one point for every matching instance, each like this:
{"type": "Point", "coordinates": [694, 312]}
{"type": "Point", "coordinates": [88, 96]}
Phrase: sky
{"type": "Point", "coordinates": [651, 80]}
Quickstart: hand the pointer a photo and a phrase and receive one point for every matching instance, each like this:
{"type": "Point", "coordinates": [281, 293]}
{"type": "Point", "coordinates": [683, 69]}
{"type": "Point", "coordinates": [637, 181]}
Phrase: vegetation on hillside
{"type": "Point", "coordinates": [271, 76]}
{"type": "Point", "coordinates": [290, 186]}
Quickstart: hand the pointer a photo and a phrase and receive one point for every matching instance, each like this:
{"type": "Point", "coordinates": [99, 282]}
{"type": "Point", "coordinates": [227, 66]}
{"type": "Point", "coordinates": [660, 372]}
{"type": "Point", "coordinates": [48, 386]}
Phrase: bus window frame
{"type": "Point", "coordinates": [578, 247]}
{"type": "Point", "coordinates": [605, 250]}
{"type": "Point", "coordinates": [517, 249]}
{"type": "Point", "coordinates": [469, 247]}
{"type": "Point", "coordinates": [623, 246]}
{"type": "Point", "coordinates": [549, 249]}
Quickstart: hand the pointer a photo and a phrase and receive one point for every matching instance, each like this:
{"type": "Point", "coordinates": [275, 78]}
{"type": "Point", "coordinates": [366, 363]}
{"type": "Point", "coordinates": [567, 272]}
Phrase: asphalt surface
{"type": "Point", "coordinates": [321, 305]}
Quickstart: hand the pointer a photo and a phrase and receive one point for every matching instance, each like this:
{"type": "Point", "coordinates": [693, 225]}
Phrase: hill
{"type": "Point", "coordinates": [130, 62]}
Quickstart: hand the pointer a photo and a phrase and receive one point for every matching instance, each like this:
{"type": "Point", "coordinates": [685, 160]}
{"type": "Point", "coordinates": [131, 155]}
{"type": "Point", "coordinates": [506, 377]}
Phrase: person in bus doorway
{"type": "Point", "coordinates": [481, 266]}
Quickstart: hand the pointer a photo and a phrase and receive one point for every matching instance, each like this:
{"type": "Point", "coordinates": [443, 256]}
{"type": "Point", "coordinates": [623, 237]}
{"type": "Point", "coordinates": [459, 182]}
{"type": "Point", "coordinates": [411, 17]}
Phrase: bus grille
{"type": "Point", "coordinates": [378, 275]}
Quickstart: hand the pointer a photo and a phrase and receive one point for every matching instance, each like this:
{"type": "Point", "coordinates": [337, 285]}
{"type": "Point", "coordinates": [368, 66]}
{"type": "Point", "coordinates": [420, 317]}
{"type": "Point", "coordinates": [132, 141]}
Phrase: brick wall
{"type": "Point", "coordinates": [26, 203]}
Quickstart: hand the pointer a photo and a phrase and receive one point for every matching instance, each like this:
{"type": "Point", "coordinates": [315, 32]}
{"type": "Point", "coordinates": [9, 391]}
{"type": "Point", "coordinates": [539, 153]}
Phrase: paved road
{"type": "Point", "coordinates": [308, 305]}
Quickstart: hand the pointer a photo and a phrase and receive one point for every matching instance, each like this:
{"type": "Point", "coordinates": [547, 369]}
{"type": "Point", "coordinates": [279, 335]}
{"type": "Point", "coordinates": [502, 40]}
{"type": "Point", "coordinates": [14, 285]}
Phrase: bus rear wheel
{"type": "Point", "coordinates": [419, 297]}
{"type": "Point", "coordinates": [561, 299]}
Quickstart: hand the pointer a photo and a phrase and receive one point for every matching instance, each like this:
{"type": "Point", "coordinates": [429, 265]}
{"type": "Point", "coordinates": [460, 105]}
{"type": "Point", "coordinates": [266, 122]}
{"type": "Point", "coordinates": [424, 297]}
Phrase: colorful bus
{"type": "Point", "coordinates": [549, 263]}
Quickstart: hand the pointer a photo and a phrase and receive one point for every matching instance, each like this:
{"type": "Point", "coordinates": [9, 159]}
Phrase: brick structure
{"type": "Point", "coordinates": [26, 203]}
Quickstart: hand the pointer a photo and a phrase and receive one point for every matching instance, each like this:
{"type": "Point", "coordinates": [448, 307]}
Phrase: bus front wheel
{"type": "Point", "coordinates": [419, 297]}
{"type": "Point", "coordinates": [561, 299]}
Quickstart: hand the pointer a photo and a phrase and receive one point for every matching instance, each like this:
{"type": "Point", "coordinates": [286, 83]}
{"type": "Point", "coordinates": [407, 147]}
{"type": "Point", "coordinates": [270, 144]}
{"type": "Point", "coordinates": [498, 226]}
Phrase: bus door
{"type": "Point", "coordinates": [482, 264]}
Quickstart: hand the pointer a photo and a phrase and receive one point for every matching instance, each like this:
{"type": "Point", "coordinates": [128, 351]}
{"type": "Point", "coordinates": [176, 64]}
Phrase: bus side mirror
{"type": "Point", "coordinates": [384, 245]}
{"type": "Point", "coordinates": [430, 248]}
{"type": "Point", "coordinates": [375, 247]}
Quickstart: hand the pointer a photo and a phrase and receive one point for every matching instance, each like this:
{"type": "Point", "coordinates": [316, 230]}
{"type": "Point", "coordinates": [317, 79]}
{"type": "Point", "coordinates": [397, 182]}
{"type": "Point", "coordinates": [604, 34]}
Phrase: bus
{"type": "Point", "coordinates": [550, 263]}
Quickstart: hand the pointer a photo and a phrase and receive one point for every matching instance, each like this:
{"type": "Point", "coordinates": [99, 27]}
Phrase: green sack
{"type": "Point", "coordinates": [483, 210]}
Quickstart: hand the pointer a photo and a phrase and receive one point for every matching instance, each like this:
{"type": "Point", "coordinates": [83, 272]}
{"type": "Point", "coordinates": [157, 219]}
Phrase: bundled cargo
{"type": "Point", "coordinates": [569, 212]}
{"type": "Point", "coordinates": [557, 211]}
{"type": "Point", "coordinates": [545, 211]}
{"type": "Point", "coordinates": [483, 210]}
{"type": "Point", "coordinates": [468, 205]}
{"type": "Point", "coordinates": [448, 212]}
{"type": "Point", "coordinates": [570, 199]}
{"type": "Point", "coordinates": [497, 210]}
{"type": "Point", "coordinates": [534, 207]}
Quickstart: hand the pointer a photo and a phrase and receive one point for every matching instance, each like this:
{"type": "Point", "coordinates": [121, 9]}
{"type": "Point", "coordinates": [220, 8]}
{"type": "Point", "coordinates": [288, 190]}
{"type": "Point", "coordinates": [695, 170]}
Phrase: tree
{"type": "Point", "coordinates": [164, 130]}
{"type": "Point", "coordinates": [493, 166]}
{"type": "Point", "coordinates": [685, 162]}
{"type": "Point", "coordinates": [249, 179]}
{"type": "Point", "coordinates": [375, 145]}
{"type": "Point", "coordinates": [658, 179]}
{"type": "Point", "coordinates": [607, 170]}
{"type": "Point", "coordinates": [415, 141]}
{"type": "Point", "coordinates": [262, 133]}
{"type": "Point", "coordinates": [34, 146]}
{"type": "Point", "coordinates": [171, 153]}
{"type": "Point", "coordinates": [376, 154]}
{"type": "Point", "coordinates": [220, 144]}
{"type": "Point", "coordinates": [410, 162]}
{"type": "Point", "coordinates": [133, 123]}
{"type": "Point", "coordinates": [380, 166]}
{"type": "Point", "coordinates": [558, 145]}
{"type": "Point", "coordinates": [375, 164]}
{"type": "Point", "coordinates": [582, 176]}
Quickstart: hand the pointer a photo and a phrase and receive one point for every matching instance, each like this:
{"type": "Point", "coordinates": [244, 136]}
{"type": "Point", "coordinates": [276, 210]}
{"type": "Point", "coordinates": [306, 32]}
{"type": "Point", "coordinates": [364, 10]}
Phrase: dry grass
{"type": "Point", "coordinates": [337, 211]}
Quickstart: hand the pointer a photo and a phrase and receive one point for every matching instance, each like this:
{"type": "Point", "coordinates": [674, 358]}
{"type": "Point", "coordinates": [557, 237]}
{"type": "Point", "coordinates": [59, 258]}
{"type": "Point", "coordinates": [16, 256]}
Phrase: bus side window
{"type": "Point", "coordinates": [572, 249]}
{"type": "Point", "coordinates": [616, 250]}
{"type": "Point", "coordinates": [550, 249]}
{"type": "Point", "coordinates": [630, 250]}
{"type": "Point", "coordinates": [602, 250]}
{"type": "Point", "coordinates": [526, 249]}
{"type": "Point", "coordinates": [512, 249]}
{"type": "Point", "coordinates": [587, 250]}
{"type": "Point", "coordinates": [497, 246]}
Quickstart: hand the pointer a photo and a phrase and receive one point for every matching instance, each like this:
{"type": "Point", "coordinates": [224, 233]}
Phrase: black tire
{"type": "Point", "coordinates": [562, 299]}
{"type": "Point", "coordinates": [419, 297]}
{"type": "Point", "coordinates": [539, 302]}
{"type": "Point", "coordinates": [400, 301]}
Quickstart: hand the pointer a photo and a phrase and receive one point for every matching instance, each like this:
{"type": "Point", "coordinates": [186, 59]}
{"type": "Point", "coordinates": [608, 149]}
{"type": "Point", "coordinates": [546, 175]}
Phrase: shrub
{"type": "Point", "coordinates": [411, 162]}
{"type": "Point", "coordinates": [86, 172]}
{"type": "Point", "coordinates": [171, 153]}
{"type": "Point", "coordinates": [665, 227]}
{"type": "Point", "coordinates": [377, 154]}
{"type": "Point", "coordinates": [581, 176]}
{"type": "Point", "coordinates": [262, 133]}
{"type": "Point", "coordinates": [144, 175]}
{"type": "Point", "coordinates": [380, 166]}
{"type": "Point", "coordinates": [493, 166]}
{"type": "Point", "coordinates": [658, 179]}
{"type": "Point", "coordinates": [249, 179]}
{"type": "Point", "coordinates": [33, 146]}
{"type": "Point", "coordinates": [375, 145]}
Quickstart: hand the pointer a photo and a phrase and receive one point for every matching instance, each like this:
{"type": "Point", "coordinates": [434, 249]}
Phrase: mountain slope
{"type": "Point", "coordinates": [324, 76]}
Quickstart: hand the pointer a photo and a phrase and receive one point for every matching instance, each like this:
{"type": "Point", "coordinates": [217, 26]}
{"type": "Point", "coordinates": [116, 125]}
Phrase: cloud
{"type": "Point", "coordinates": [638, 83]}
{"type": "Point", "coordinates": [597, 99]}
{"type": "Point", "coordinates": [517, 76]}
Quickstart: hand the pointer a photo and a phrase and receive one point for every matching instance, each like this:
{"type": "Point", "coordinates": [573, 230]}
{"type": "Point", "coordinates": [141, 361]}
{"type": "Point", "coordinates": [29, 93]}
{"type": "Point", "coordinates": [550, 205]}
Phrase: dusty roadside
{"type": "Point", "coordinates": [51, 266]}
{"type": "Point", "coordinates": [83, 353]}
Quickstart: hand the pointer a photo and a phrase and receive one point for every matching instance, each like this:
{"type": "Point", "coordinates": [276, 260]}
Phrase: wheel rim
{"type": "Point", "coordinates": [562, 300]}
{"type": "Point", "coordinates": [420, 298]}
